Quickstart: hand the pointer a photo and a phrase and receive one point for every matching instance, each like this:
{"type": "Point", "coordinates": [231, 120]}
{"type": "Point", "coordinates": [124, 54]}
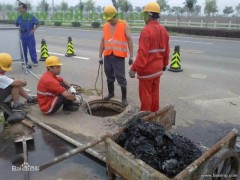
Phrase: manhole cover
{"type": "Point", "coordinates": [103, 108]}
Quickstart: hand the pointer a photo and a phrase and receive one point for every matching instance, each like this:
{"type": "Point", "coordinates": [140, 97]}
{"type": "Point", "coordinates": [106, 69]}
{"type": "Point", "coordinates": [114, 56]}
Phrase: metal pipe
{"type": "Point", "coordinates": [90, 111]}
{"type": "Point", "coordinates": [72, 152]}
{"type": "Point", "coordinates": [67, 138]}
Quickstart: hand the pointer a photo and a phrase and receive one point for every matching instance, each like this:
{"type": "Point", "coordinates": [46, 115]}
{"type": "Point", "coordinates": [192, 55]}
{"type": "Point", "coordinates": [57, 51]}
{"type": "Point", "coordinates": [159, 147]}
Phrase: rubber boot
{"type": "Point", "coordinates": [124, 96]}
{"type": "Point", "coordinates": [110, 91]}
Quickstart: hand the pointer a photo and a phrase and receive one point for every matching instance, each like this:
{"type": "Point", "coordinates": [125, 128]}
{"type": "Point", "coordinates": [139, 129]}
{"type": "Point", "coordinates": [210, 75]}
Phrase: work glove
{"type": "Point", "coordinates": [72, 90]}
{"type": "Point", "coordinates": [78, 100]}
{"type": "Point", "coordinates": [132, 73]}
{"type": "Point", "coordinates": [130, 61]}
{"type": "Point", "coordinates": [101, 61]}
{"type": "Point", "coordinates": [164, 68]}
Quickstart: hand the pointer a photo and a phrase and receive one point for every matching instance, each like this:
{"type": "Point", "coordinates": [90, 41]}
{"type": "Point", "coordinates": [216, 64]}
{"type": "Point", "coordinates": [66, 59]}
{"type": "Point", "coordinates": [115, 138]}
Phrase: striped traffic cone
{"type": "Point", "coordinates": [70, 48]}
{"type": "Point", "coordinates": [176, 62]}
{"type": "Point", "coordinates": [44, 51]}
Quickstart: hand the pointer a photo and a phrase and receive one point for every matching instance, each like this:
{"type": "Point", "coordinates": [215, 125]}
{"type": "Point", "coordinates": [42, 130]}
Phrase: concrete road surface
{"type": "Point", "coordinates": [206, 95]}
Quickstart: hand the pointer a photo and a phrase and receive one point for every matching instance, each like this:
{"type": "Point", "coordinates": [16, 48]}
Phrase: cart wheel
{"type": "Point", "coordinates": [225, 164]}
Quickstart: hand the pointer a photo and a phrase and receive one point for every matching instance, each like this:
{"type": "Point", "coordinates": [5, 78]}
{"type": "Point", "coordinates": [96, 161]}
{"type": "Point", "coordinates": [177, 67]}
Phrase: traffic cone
{"type": "Point", "coordinates": [44, 51]}
{"type": "Point", "coordinates": [176, 62]}
{"type": "Point", "coordinates": [70, 48]}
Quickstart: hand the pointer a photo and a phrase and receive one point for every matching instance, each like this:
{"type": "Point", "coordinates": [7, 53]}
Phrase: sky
{"type": "Point", "coordinates": [220, 3]}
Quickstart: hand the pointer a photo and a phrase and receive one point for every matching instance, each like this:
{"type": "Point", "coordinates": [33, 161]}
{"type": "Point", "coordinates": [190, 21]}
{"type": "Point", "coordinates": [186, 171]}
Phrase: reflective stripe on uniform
{"type": "Point", "coordinates": [116, 48]}
{"type": "Point", "coordinates": [52, 105]}
{"type": "Point", "coordinates": [156, 50]}
{"type": "Point", "coordinates": [150, 75]}
{"type": "Point", "coordinates": [45, 93]}
{"type": "Point", "coordinates": [113, 41]}
{"type": "Point", "coordinates": [53, 102]}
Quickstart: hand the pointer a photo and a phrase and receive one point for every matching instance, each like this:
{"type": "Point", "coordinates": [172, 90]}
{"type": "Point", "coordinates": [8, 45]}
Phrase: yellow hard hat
{"type": "Point", "coordinates": [152, 7]}
{"type": "Point", "coordinates": [5, 62]}
{"type": "Point", "coordinates": [109, 12]}
{"type": "Point", "coordinates": [52, 61]}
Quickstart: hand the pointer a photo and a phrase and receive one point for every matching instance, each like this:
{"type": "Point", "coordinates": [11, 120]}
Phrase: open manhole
{"type": "Point", "coordinates": [103, 108]}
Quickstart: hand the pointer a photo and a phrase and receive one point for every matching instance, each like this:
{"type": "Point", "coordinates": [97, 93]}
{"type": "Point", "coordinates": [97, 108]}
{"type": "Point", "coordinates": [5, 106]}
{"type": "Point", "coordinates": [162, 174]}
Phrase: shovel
{"type": "Point", "coordinates": [22, 145]}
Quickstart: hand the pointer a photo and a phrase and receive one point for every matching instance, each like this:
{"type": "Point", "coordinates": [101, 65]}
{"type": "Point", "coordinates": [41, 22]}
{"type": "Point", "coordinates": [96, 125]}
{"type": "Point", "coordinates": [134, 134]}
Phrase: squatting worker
{"type": "Point", "coordinates": [12, 89]}
{"type": "Point", "coordinates": [152, 58]}
{"type": "Point", "coordinates": [115, 41]}
{"type": "Point", "coordinates": [28, 24]}
{"type": "Point", "coordinates": [53, 91]}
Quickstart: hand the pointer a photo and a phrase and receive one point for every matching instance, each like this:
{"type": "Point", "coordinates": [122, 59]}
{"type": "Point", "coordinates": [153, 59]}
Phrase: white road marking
{"type": "Point", "coordinates": [191, 42]}
{"type": "Point", "coordinates": [134, 37]}
{"type": "Point", "coordinates": [199, 76]}
{"type": "Point", "coordinates": [59, 54]}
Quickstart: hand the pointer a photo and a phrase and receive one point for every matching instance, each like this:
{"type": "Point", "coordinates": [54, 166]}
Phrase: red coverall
{"type": "Point", "coordinates": [48, 89]}
{"type": "Point", "coordinates": [152, 56]}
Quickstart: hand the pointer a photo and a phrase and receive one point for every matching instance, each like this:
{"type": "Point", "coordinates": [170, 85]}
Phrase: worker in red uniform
{"type": "Point", "coordinates": [115, 42]}
{"type": "Point", "coordinates": [152, 58]}
{"type": "Point", "coordinates": [53, 91]}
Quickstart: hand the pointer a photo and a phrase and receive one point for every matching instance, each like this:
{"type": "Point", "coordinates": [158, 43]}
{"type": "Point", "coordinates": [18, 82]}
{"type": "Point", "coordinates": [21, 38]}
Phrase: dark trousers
{"type": "Point", "coordinates": [61, 101]}
{"type": "Point", "coordinates": [4, 93]}
{"type": "Point", "coordinates": [114, 67]}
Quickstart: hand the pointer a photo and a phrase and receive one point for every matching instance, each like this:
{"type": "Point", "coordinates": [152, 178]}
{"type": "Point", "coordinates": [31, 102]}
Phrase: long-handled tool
{"type": "Point", "coordinates": [21, 146]}
{"type": "Point", "coordinates": [72, 152]}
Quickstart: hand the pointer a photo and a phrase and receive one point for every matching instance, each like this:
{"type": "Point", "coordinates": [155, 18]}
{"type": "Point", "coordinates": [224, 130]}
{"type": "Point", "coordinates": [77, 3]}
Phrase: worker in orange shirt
{"type": "Point", "coordinates": [152, 58]}
{"type": "Point", "coordinates": [113, 46]}
{"type": "Point", "coordinates": [53, 91]}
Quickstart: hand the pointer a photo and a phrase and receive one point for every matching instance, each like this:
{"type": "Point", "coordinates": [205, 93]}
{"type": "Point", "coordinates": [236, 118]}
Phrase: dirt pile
{"type": "Point", "coordinates": [167, 152]}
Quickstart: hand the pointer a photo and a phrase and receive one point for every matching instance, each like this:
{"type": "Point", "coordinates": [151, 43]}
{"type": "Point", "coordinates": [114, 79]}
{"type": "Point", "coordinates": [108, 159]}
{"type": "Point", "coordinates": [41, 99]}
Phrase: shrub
{"type": "Point", "coordinates": [41, 22]}
{"type": "Point", "coordinates": [57, 23]}
{"type": "Point", "coordinates": [96, 24]}
{"type": "Point", "coordinates": [76, 24]}
{"type": "Point", "coordinates": [7, 21]}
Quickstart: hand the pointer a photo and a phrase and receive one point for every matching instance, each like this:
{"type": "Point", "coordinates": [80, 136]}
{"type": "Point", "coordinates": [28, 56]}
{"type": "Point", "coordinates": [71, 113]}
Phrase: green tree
{"type": "Point", "coordinates": [189, 4]}
{"type": "Point", "coordinates": [228, 10]}
{"type": "Point", "coordinates": [9, 7]}
{"type": "Point", "coordinates": [210, 7]}
{"type": "Point", "coordinates": [183, 10]}
{"type": "Point", "coordinates": [197, 10]}
{"type": "Point", "coordinates": [29, 5]}
{"type": "Point", "coordinates": [176, 10]}
{"type": "Point", "coordinates": [81, 5]}
{"type": "Point", "coordinates": [64, 6]}
{"type": "Point", "coordinates": [89, 6]}
{"type": "Point", "coordinates": [1, 6]}
{"type": "Point", "coordinates": [237, 8]}
{"type": "Point", "coordinates": [99, 9]}
{"type": "Point", "coordinates": [43, 6]}
{"type": "Point", "coordinates": [138, 9]}
{"type": "Point", "coordinates": [125, 5]}
{"type": "Point", "coordinates": [163, 5]}
{"type": "Point", "coordinates": [114, 2]}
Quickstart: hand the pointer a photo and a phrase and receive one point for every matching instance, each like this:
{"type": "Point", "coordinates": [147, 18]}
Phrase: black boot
{"type": "Point", "coordinates": [124, 96]}
{"type": "Point", "coordinates": [70, 107]}
{"type": "Point", "coordinates": [110, 91]}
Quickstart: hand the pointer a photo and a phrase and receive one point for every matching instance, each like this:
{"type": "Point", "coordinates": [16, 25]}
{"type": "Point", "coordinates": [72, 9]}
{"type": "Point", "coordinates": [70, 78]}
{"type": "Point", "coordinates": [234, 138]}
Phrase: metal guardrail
{"type": "Point", "coordinates": [201, 24]}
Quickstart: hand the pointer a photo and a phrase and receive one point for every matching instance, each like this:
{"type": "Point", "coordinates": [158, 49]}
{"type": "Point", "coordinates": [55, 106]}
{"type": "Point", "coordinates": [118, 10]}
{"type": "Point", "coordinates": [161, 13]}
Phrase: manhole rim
{"type": "Point", "coordinates": [97, 103]}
